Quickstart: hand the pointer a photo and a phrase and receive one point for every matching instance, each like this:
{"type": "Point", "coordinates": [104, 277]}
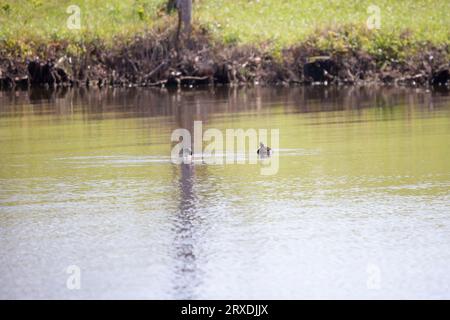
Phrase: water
{"type": "Point", "coordinates": [358, 209]}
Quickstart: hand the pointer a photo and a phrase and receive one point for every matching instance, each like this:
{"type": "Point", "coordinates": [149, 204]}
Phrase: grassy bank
{"type": "Point", "coordinates": [278, 23]}
{"type": "Point", "coordinates": [288, 22]}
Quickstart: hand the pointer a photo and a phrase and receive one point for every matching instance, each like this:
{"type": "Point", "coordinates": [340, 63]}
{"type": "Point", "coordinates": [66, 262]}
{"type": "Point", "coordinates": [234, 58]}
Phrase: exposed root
{"type": "Point", "coordinates": [157, 60]}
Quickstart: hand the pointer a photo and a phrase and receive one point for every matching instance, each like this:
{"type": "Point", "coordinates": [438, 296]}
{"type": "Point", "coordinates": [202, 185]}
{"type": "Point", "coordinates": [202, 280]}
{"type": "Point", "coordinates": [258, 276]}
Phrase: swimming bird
{"type": "Point", "coordinates": [263, 150]}
{"type": "Point", "coordinates": [185, 152]}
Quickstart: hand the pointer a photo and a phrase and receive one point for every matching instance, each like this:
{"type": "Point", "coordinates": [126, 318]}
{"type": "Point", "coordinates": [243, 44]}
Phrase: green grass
{"type": "Point", "coordinates": [35, 20]}
{"type": "Point", "coordinates": [288, 22]}
{"type": "Point", "coordinates": [278, 23]}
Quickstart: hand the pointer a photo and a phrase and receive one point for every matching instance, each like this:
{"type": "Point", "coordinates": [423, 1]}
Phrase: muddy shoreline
{"type": "Point", "coordinates": [157, 61]}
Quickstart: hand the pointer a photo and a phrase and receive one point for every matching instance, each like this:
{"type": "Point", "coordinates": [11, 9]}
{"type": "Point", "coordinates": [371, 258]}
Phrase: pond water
{"type": "Point", "coordinates": [359, 207]}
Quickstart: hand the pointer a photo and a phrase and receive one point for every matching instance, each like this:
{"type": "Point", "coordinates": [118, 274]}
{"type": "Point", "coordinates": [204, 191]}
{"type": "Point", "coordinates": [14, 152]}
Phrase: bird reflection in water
{"type": "Point", "coordinates": [186, 221]}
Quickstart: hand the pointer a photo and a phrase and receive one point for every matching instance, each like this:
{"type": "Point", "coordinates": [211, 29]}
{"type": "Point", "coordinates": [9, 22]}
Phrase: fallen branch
{"type": "Point", "coordinates": [162, 64]}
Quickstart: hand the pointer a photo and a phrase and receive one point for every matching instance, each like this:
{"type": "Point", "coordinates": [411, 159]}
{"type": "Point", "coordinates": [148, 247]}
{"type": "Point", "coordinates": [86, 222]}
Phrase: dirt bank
{"type": "Point", "coordinates": [157, 60]}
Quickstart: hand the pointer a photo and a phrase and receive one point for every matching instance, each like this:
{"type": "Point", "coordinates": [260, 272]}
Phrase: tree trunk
{"type": "Point", "coordinates": [184, 17]}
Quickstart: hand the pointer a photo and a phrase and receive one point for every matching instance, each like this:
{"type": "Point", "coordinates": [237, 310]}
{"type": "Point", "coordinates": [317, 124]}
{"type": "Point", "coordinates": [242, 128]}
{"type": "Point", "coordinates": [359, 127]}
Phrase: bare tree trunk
{"type": "Point", "coordinates": [184, 17]}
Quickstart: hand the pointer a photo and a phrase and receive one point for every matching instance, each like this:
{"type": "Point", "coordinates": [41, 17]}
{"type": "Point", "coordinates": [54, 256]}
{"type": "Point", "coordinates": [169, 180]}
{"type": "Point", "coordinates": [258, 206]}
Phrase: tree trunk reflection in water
{"type": "Point", "coordinates": [187, 277]}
